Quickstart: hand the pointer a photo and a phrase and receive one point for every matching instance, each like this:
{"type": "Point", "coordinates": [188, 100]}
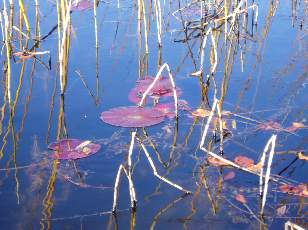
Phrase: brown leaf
{"type": "Point", "coordinates": [201, 113]}
{"type": "Point", "coordinates": [240, 198]}
{"type": "Point", "coordinates": [295, 126]}
{"type": "Point", "coordinates": [271, 125]}
{"type": "Point", "coordinates": [216, 162]}
{"type": "Point", "coordinates": [256, 167]}
{"type": "Point", "coordinates": [299, 190]}
{"type": "Point", "coordinates": [243, 161]}
{"type": "Point", "coordinates": [298, 125]}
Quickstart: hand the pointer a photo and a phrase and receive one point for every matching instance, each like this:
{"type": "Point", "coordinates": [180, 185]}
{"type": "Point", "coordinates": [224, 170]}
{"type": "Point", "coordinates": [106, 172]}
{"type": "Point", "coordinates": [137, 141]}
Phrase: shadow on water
{"type": "Point", "coordinates": [228, 150]}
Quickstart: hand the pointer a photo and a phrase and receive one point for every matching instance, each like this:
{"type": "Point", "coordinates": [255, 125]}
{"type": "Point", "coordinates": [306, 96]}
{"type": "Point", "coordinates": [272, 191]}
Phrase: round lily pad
{"type": "Point", "coordinates": [132, 116]}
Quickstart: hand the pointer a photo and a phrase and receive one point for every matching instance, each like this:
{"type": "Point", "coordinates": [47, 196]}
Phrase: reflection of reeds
{"type": "Point", "coordinates": [24, 15]}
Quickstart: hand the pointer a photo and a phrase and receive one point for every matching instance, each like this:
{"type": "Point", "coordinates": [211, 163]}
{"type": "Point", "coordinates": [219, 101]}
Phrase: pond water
{"type": "Point", "coordinates": [261, 82]}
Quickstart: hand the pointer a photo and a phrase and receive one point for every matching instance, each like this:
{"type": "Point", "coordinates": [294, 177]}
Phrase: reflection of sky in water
{"type": "Point", "coordinates": [270, 88]}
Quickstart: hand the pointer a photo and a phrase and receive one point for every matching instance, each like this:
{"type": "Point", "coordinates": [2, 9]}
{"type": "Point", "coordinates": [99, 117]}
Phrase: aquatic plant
{"type": "Point", "coordinates": [72, 149]}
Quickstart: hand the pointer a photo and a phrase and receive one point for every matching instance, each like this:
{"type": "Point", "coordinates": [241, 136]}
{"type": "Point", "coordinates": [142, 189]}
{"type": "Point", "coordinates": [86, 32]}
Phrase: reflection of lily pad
{"type": "Point", "coordinates": [67, 149]}
{"type": "Point", "coordinates": [132, 116]}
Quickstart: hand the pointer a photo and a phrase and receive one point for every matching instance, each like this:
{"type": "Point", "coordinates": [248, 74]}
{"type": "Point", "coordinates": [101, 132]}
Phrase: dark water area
{"type": "Point", "coordinates": [261, 80]}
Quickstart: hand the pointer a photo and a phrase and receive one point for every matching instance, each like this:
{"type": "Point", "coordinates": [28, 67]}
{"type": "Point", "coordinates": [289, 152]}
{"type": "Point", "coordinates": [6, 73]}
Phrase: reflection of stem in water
{"type": "Point", "coordinates": [208, 190]}
{"type": "Point", "coordinates": [23, 12]}
{"type": "Point", "coordinates": [52, 106]}
{"type": "Point", "coordinates": [142, 6]}
{"type": "Point", "coordinates": [193, 203]}
{"type": "Point", "coordinates": [96, 51]}
{"type": "Point", "coordinates": [48, 201]}
{"type": "Point", "coordinates": [15, 163]}
{"type": "Point", "coordinates": [113, 222]}
{"type": "Point", "coordinates": [191, 129]}
{"type": "Point", "coordinates": [12, 111]}
{"type": "Point", "coordinates": [133, 219]}
{"type": "Point", "coordinates": [159, 157]}
{"type": "Point", "coordinates": [27, 102]}
{"type": "Point", "coordinates": [164, 210]}
{"type": "Point", "coordinates": [175, 138]}
{"type": "Point", "coordinates": [86, 85]}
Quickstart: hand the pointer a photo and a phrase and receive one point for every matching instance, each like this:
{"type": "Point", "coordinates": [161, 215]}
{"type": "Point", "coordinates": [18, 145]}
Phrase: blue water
{"type": "Point", "coordinates": [271, 87]}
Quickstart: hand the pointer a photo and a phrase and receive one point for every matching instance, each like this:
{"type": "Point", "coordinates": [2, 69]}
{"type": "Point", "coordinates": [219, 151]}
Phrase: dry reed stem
{"type": "Point", "coordinates": [63, 43]}
{"type": "Point", "coordinates": [292, 226]}
{"type": "Point", "coordinates": [117, 188]}
{"type": "Point", "coordinates": [206, 128]}
{"type": "Point", "coordinates": [271, 141]}
{"type": "Point", "coordinates": [2, 30]}
{"type": "Point", "coordinates": [129, 162]}
{"type": "Point", "coordinates": [220, 128]}
{"type": "Point", "coordinates": [145, 94]}
{"type": "Point", "coordinates": [128, 174]}
{"type": "Point", "coordinates": [157, 174]}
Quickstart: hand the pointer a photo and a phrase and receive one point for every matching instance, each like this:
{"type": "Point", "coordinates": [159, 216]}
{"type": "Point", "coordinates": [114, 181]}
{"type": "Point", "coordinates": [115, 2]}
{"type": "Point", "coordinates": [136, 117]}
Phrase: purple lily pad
{"type": "Point", "coordinates": [81, 5]}
{"type": "Point", "coordinates": [162, 88]}
{"type": "Point", "coordinates": [71, 149]}
{"type": "Point", "coordinates": [132, 116]}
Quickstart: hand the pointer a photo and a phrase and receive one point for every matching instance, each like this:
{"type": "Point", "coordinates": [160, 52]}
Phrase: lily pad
{"type": "Point", "coordinates": [81, 5]}
{"type": "Point", "coordinates": [132, 116]}
{"type": "Point", "coordinates": [162, 88]}
{"type": "Point", "coordinates": [71, 149]}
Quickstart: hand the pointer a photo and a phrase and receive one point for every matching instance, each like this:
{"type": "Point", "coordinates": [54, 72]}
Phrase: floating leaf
{"type": "Point", "coordinates": [201, 113]}
{"type": "Point", "coordinates": [243, 161]}
{"type": "Point", "coordinates": [230, 175]}
{"type": "Point", "coordinates": [133, 116]}
{"type": "Point", "coordinates": [71, 149]}
{"type": "Point", "coordinates": [271, 125]}
{"type": "Point", "coordinates": [295, 126]}
{"type": "Point", "coordinates": [24, 55]}
{"type": "Point", "coordinates": [256, 168]}
{"type": "Point", "coordinates": [240, 198]}
{"type": "Point", "coordinates": [299, 190]}
{"type": "Point", "coordinates": [302, 156]}
{"type": "Point", "coordinates": [216, 162]}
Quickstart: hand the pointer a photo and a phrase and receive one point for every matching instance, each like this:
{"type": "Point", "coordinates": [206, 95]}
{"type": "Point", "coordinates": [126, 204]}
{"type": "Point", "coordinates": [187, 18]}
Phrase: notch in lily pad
{"type": "Point", "coordinates": [72, 149]}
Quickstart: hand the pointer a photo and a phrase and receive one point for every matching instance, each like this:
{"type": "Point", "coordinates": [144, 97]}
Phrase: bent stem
{"type": "Point", "coordinates": [145, 94]}
{"type": "Point", "coordinates": [157, 174]}
{"type": "Point", "coordinates": [272, 142]}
